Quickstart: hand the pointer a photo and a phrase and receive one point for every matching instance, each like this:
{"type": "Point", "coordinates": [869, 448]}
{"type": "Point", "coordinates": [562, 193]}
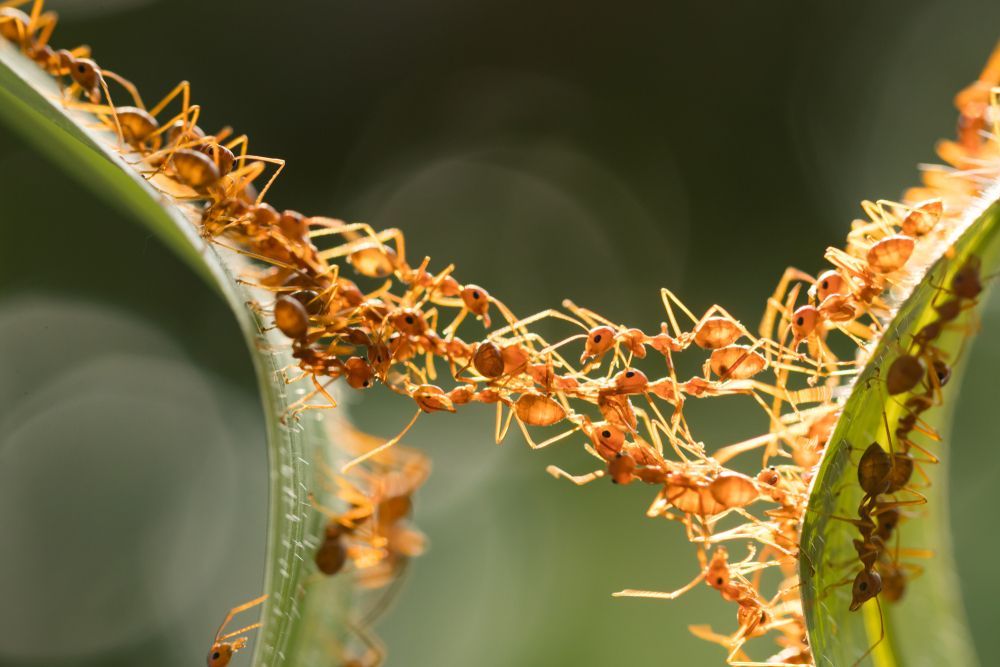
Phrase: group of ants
{"type": "Point", "coordinates": [388, 333]}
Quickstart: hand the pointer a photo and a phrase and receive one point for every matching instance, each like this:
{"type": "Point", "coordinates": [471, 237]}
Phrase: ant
{"type": "Point", "coordinates": [222, 650]}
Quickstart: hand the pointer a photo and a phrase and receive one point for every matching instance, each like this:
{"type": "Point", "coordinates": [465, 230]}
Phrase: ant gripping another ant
{"type": "Point", "coordinates": [387, 331]}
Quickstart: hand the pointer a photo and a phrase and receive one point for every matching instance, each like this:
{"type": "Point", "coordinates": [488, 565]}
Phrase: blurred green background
{"type": "Point", "coordinates": [551, 150]}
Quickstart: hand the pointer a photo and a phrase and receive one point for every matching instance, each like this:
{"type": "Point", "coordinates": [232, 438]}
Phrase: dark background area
{"type": "Point", "coordinates": [550, 150]}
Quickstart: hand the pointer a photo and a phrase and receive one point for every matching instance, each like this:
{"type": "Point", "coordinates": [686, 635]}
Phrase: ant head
{"type": "Point", "coordinates": [804, 321]}
{"type": "Point", "coordinates": [887, 522]}
{"type": "Point", "coordinates": [621, 468]}
{"type": "Point", "coordinates": [599, 340]}
{"type": "Point", "coordinates": [221, 156]}
{"type": "Point", "coordinates": [942, 371]}
{"type": "Point", "coordinates": [830, 283]}
{"type": "Point", "coordinates": [222, 652]}
{"type": "Point", "coordinates": [608, 439]}
{"type": "Point", "coordinates": [409, 321]}
{"type": "Point", "coordinates": [631, 381]}
{"type": "Point", "coordinates": [477, 300]}
{"type": "Point", "coordinates": [867, 585]}
{"type": "Point", "coordinates": [717, 574]}
{"type": "Point", "coordinates": [769, 476]}
{"type": "Point", "coordinates": [359, 373]}
{"type": "Point", "coordinates": [87, 75]}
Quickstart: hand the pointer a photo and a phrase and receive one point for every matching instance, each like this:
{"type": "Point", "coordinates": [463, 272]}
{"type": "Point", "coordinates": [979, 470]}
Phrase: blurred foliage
{"type": "Point", "coordinates": [551, 150]}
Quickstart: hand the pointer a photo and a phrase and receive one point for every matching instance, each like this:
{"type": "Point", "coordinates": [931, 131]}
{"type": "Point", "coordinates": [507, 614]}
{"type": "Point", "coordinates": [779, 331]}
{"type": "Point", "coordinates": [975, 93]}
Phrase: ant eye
{"type": "Point", "coordinates": [718, 581]}
{"type": "Point", "coordinates": [409, 319]}
{"type": "Point", "coordinates": [630, 374]}
{"type": "Point", "coordinates": [605, 434]}
{"type": "Point", "coordinates": [863, 586]}
{"type": "Point", "coordinates": [825, 284]}
{"type": "Point", "coordinates": [475, 295]}
{"type": "Point", "coordinates": [800, 321]}
{"type": "Point", "coordinates": [216, 655]}
{"type": "Point", "coordinates": [597, 338]}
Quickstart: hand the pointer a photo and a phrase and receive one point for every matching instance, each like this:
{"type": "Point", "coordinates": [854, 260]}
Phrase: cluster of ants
{"type": "Point", "coordinates": [397, 325]}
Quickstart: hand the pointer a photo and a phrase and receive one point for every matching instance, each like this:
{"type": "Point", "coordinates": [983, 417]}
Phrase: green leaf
{"type": "Point", "coordinates": [304, 613]}
{"type": "Point", "coordinates": [927, 627]}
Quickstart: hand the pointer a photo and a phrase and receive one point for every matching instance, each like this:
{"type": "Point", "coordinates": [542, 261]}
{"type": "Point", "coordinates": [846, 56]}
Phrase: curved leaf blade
{"type": "Point", "coordinates": [303, 617]}
{"type": "Point", "coordinates": [927, 626]}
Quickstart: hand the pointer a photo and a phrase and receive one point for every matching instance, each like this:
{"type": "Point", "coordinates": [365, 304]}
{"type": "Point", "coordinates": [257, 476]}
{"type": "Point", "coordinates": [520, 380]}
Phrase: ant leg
{"type": "Point", "coordinates": [164, 155]}
{"type": "Point", "coordinates": [881, 636]}
{"type": "Point", "coordinates": [45, 24]}
{"type": "Point", "coordinates": [555, 346]}
{"type": "Point", "coordinates": [183, 89]}
{"type": "Point", "coordinates": [715, 310]}
{"type": "Point", "coordinates": [836, 584]}
{"type": "Point", "coordinates": [373, 645]}
{"type": "Point", "coordinates": [657, 595]}
{"type": "Point", "coordinates": [354, 240]}
{"type": "Point", "coordinates": [259, 159]}
{"type": "Point", "coordinates": [579, 480]}
{"type": "Point", "coordinates": [127, 85]}
{"type": "Point", "coordinates": [252, 626]}
{"type": "Point", "coordinates": [590, 317]}
{"type": "Point", "coordinates": [919, 500]}
{"type": "Point", "coordinates": [381, 448]}
{"type": "Point", "coordinates": [668, 297]}
{"type": "Point", "coordinates": [705, 632]}
{"type": "Point", "coordinates": [449, 331]}
{"type": "Point", "coordinates": [238, 610]}
{"type": "Point", "coordinates": [544, 443]}
{"type": "Point", "coordinates": [518, 327]}
{"type": "Point", "coordinates": [731, 451]}
{"type": "Point", "coordinates": [111, 105]}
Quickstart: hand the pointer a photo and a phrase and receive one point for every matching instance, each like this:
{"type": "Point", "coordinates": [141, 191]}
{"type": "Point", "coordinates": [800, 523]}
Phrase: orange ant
{"type": "Point", "coordinates": [21, 28]}
{"type": "Point", "coordinates": [375, 518]}
{"type": "Point", "coordinates": [139, 126]}
{"type": "Point", "coordinates": [222, 650]}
